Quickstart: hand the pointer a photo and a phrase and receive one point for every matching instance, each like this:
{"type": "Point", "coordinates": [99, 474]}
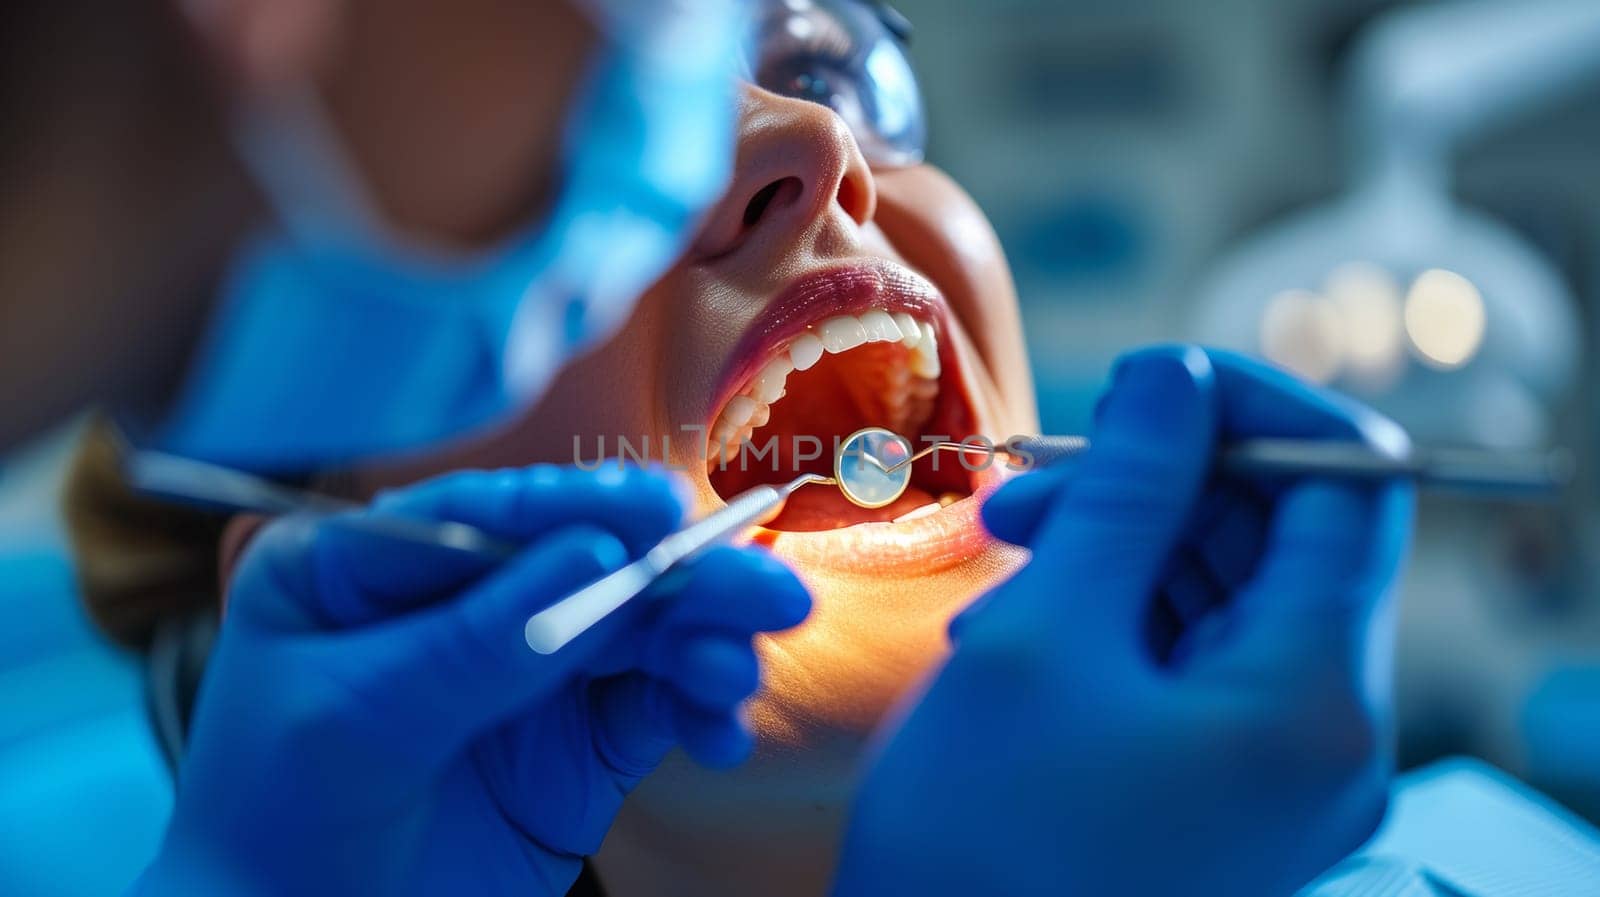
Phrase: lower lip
{"type": "Point", "coordinates": [948, 537]}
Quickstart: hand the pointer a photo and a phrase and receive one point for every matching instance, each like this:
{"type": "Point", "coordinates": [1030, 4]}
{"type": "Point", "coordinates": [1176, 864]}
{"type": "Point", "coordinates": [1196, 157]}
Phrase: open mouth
{"type": "Point", "coordinates": [841, 351]}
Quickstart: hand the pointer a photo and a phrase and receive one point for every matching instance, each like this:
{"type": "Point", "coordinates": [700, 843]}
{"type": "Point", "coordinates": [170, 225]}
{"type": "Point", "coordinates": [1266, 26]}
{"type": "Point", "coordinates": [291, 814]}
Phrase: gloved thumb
{"type": "Point", "coordinates": [463, 665]}
{"type": "Point", "coordinates": [1332, 556]}
{"type": "Point", "coordinates": [364, 576]}
{"type": "Point", "coordinates": [1014, 511]}
{"type": "Point", "coordinates": [1100, 550]}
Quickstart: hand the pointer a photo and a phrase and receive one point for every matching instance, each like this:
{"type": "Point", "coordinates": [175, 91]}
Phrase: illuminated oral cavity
{"type": "Point", "coordinates": [874, 369]}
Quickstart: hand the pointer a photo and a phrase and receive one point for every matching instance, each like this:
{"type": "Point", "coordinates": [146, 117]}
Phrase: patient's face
{"type": "Point", "coordinates": [752, 335]}
{"type": "Point", "coordinates": [809, 241]}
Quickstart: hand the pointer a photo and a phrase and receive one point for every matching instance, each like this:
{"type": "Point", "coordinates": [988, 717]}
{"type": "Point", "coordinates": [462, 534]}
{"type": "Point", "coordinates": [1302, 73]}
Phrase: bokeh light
{"type": "Point", "coordinates": [1367, 298]}
{"type": "Point", "coordinates": [1303, 332]}
{"type": "Point", "coordinates": [1445, 319]}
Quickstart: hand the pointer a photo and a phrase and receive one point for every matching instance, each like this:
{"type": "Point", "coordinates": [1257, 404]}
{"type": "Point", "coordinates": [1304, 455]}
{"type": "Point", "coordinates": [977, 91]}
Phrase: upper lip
{"type": "Point", "coordinates": [843, 290]}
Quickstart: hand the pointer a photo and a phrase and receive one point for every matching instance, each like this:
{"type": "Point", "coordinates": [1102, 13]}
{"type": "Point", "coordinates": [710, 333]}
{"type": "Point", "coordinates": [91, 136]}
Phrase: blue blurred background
{"type": "Point", "coordinates": [1242, 172]}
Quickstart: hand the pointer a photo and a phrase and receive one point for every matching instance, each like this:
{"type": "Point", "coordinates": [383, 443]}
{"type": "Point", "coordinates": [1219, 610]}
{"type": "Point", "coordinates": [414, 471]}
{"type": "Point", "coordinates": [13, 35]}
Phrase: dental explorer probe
{"type": "Point", "coordinates": [1481, 473]}
{"type": "Point", "coordinates": [550, 629]}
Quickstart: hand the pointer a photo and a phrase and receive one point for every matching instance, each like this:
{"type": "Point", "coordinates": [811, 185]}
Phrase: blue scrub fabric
{"type": "Point", "coordinates": [84, 793]}
{"type": "Point", "coordinates": [1462, 828]}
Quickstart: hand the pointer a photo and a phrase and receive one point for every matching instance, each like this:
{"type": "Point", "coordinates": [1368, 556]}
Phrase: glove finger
{"type": "Point", "coordinates": [1218, 555]}
{"type": "Point", "coordinates": [1163, 628]}
{"type": "Point", "coordinates": [459, 668]}
{"type": "Point", "coordinates": [715, 739]}
{"type": "Point", "coordinates": [365, 576]}
{"type": "Point", "coordinates": [1190, 589]}
{"type": "Point", "coordinates": [1015, 510]}
{"type": "Point", "coordinates": [1258, 400]}
{"type": "Point", "coordinates": [1099, 553]}
{"type": "Point", "coordinates": [639, 506]}
{"type": "Point", "coordinates": [634, 727]}
{"type": "Point", "coordinates": [334, 573]}
{"type": "Point", "coordinates": [642, 718]}
{"type": "Point", "coordinates": [1333, 553]}
{"type": "Point", "coordinates": [1230, 531]}
{"type": "Point", "coordinates": [715, 672]}
{"type": "Point", "coordinates": [737, 590]}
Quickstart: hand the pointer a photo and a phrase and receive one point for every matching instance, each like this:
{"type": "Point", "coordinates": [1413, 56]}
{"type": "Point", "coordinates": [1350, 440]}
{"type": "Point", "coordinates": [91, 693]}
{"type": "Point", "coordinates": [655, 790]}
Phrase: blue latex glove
{"type": "Point", "coordinates": [1186, 689]}
{"type": "Point", "coordinates": [370, 724]}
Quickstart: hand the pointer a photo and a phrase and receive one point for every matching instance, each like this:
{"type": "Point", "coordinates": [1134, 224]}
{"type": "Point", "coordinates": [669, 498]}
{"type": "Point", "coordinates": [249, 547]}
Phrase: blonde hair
{"type": "Point", "coordinates": [138, 561]}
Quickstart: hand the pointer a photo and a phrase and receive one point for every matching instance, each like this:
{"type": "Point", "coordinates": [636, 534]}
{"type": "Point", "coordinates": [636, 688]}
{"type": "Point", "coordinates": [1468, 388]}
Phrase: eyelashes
{"type": "Point", "coordinates": [789, 39]}
{"type": "Point", "coordinates": [819, 36]}
{"type": "Point", "coordinates": [839, 54]}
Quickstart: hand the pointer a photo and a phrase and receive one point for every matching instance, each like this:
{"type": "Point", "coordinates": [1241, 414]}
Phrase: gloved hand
{"type": "Point", "coordinates": [1186, 690]}
{"type": "Point", "coordinates": [372, 724]}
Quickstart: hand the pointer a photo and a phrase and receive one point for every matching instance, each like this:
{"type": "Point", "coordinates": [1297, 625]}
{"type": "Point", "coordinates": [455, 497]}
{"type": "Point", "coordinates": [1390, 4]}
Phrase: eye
{"type": "Point", "coordinates": [841, 54]}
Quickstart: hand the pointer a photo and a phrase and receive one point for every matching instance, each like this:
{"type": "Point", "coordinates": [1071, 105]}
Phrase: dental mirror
{"type": "Point", "coordinates": [868, 469]}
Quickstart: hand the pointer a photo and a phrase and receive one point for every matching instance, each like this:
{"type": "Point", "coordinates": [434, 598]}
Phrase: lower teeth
{"type": "Point", "coordinates": [931, 507]}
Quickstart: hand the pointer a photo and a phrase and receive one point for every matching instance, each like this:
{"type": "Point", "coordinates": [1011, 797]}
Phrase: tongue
{"type": "Point", "coordinates": [837, 396]}
{"type": "Point", "coordinates": [825, 507]}
{"type": "Point", "coordinates": [867, 386]}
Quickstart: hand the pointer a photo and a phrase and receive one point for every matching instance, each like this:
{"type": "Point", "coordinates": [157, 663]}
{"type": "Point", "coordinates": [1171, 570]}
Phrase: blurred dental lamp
{"type": "Point", "coordinates": [1439, 315]}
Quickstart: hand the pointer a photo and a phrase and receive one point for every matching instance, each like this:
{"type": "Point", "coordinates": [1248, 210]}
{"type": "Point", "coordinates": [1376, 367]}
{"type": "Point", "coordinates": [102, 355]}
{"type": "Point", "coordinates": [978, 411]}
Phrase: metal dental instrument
{"type": "Point", "coordinates": [552, 628]}
{"type": "Point", "coordinates": [180, 480]}
{"type": "Point", "coordinates": [881, 475]}
{"type": "Point", "coordinates": [196, 483]}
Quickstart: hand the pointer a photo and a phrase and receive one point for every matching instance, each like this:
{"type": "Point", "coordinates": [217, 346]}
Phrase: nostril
{"type": "Point", "coordinates": [850, 199]}
{"type": "Point", "coordinates": [782, 192]}
{"type": "Point", "coordinates": [759, 202]}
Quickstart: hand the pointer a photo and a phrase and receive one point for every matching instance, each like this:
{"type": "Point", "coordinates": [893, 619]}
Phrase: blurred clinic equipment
{"type": "Point", "coordinates": [1439, 315]}
{"type": "Point", "coordinates": [1468, 326]}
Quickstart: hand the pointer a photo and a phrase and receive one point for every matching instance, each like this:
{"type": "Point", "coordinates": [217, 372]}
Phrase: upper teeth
{"type": "Point", "coordinates": [750, 409]}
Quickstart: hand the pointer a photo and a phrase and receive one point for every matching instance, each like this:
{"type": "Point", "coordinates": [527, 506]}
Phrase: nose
{"type": "Point", "coordinates": [797, 163]}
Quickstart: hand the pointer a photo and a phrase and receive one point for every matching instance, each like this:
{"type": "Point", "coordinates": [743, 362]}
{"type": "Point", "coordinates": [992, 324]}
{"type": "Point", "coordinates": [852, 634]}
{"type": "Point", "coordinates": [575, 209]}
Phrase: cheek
{"type": "Point", "coordinates": [609, 393]}
{"type": "Point", "coordinates": [703, 319]}
{"type": "Point", "coordinates": [936, 226]}
{"type": "Point", "coordinates": [939, 230]}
